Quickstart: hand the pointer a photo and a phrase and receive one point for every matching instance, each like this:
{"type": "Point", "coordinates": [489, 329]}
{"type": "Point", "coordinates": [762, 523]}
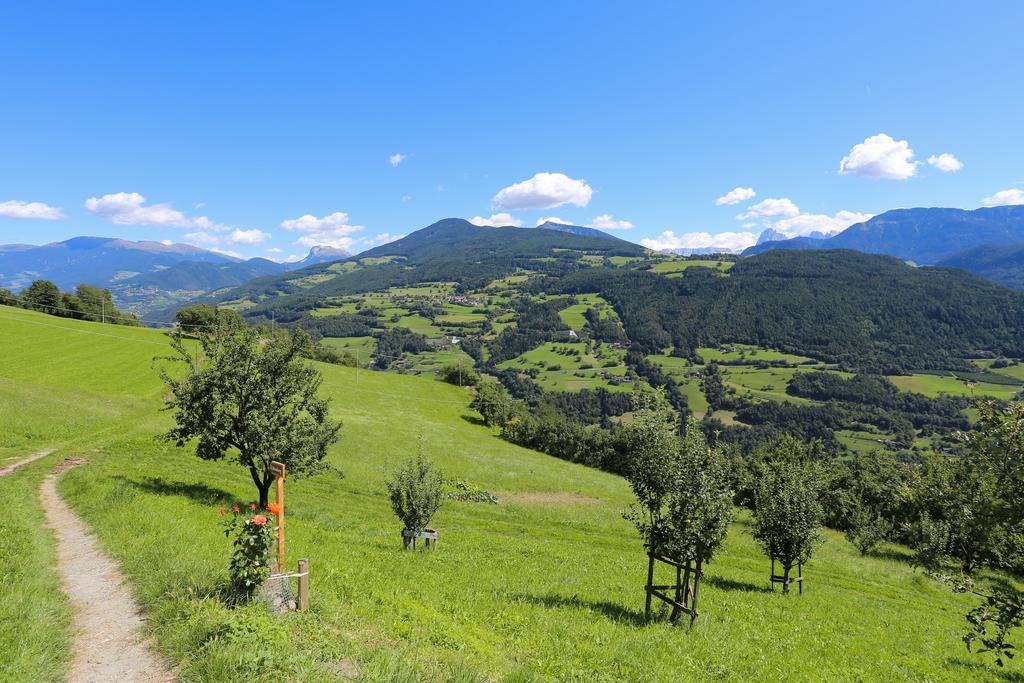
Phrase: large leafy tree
{"type": "Point", "coordinates": [42, 295]}
{"type": "Point", "coordinates": [253, 400]}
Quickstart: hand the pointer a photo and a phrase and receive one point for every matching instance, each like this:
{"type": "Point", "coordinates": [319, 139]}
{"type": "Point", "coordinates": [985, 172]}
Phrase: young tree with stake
{"type": "Point", "coordinates": [787, 513]}
{"type": "Point", "coordinates": [253, 400]}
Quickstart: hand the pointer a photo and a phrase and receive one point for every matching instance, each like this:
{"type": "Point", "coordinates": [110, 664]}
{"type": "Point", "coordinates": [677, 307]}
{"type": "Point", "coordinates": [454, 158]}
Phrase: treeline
{"type": "Point", "coordinates": [864, 312]}
{"type": "Point", "coordinates": [85, 303]}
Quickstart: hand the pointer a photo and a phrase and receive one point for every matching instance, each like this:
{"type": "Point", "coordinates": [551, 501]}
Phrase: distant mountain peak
{"type": "Point", "coordinates": [771, 235]}
{"type": "Point", "coordinates": [322, 253]}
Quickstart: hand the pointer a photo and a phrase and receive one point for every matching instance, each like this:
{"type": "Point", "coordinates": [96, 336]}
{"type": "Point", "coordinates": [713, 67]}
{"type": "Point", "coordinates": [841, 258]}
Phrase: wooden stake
{"type": "Point", "coordinates": [303, 585]}
{"type": "Point", "coordinates": [279, 471]}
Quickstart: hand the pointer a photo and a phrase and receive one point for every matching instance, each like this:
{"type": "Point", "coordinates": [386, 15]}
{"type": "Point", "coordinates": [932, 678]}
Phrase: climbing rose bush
{"type": "Point", "coordinates": [253, 534]}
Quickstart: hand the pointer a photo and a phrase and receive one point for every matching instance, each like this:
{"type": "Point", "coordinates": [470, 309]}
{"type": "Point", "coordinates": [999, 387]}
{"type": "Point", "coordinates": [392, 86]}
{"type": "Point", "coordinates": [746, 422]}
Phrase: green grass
{"type": "Point", "coordinates": [35, 641]}
{"type": "Point", "coordinates": [364, 345]}
{"type": "Point", "coordinates": [677, 266]}
{"type": "Point", "coordinates": [1015, 371]}
{"type": "Point", "coordinates": [547, 583]}
{"type": "Point", "coordinates": [573, 315]}
{"type": "Point", "coordinates": [544, 357]}
{"type": "Point", "coordinates": [749, 353]}
{"type": "Point", "coordinates": [937, 385]}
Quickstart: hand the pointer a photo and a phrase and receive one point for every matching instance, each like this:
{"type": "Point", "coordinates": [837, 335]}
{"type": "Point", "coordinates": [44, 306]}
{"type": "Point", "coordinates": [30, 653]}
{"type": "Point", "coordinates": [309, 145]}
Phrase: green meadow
{"type": "Point", "coordinates": [545, 585]}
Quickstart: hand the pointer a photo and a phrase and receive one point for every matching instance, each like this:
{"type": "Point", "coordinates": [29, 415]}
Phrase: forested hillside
{"type": "Point", "coordinates": [861, 311]}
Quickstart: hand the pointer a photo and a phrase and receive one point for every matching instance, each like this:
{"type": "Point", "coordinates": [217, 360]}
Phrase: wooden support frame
{"type": "Point", "coordinates": [684, 592]}
{"type": "Point", "coordinates": [786, 580]}
{"type": "Point", "coordinates": [429, 537]}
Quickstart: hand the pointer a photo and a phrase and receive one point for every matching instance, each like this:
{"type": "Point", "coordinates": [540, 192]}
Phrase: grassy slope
{"type": "Point", "coordinates": [548, 581]}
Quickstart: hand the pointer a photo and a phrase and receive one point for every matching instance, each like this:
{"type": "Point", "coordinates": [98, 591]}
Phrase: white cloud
{"type": "Point", "coordinates": [771, 208]}
{"type": "Point", "coordinates": [248, 237]}
{"type": "Point", "coordinates": [880, 156]}
{"type": "Point", "coordinates": [396, 159]}
{"type": "Point", "coordinates": [332, 230]}
{"type": "Point", "coordinates": [946, 162]}
{"type": "Point", "coordinates": [129, 208]}
{"type": "Point", "coordinates": [736, 195]}
{"type": "Point", "coordinates": [31, 210]}
{"type": "Point", "coordinates": [726, 241]}
{"type": "Point", "coordinates": [406, 198]}
{"type": "Point", "coordinates": [274, 250]}
{"type": "Point", "coordinates": [496, 220]}
{"type": "Point", "coordinates": [544, 191]}
{"type": "Point", "coordinates": [607, 222]}
{"type": "Point", "coordinates": [551, 219]}
{"type": "Point", "coordinates": [806, 223]}
{"type": "Point", "coordinates": [166, 243]}
{"type": "Point", "coordinates": [1004, 198]}
{"type": "Point", "coordinates": [292, 258]}
{"type": "Point", "coordinates": [383, 238]}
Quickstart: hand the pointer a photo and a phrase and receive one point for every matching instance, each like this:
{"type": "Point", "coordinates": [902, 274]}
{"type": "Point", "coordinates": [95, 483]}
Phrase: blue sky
{"type": "Point", "coordinates": [260, 129]}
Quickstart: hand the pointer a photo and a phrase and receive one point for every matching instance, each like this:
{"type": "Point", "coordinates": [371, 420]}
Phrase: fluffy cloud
{"type": "Point", "coordinates": [946, 162]}
{"type": "Point", "coordinates": [806, 223]}
{"type": "Point", "coordinates": [880, 156]}
{"type": "Point", "coordinates": [332, 230]}
{"type": "Point", "coordinates": [607, 222]}
{"type": "Point", "coordinates": [396, 159]}
{"type": "Point", "coordinates": [771, 208]}
{"type": "Point", "coordinates": [274, 250]}
{"type": "Point", "coordinates": [247, 237]}
{"type": "Point", "coordinates": [551, 219]}
{"type": "Point", "coordinates": [726, 241]}
{"type": "Point", "coordinates": [544, 191]}
{"type": "Point", "coordinates": [736, 195]}
{"type": "Point", "coordinates": [497, 220]}
{"type": "Point", "coordinates": [32, 210]}
{"type": "Point", "coordinates": [129, 208]}
{"type": "Point", "coordinates": [1004, 198]}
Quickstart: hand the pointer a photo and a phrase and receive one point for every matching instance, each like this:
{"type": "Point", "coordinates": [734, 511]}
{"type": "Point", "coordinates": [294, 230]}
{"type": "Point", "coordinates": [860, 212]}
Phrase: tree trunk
{"type": "Point", "coordinates": [785, 575]}
{"type": "Point", "coordinates": [262, 485]}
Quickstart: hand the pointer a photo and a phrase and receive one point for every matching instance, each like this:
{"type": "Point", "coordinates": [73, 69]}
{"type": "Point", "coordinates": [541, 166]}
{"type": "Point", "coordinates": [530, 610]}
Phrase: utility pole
{"type": "Point", "coordinates": [103, 310]}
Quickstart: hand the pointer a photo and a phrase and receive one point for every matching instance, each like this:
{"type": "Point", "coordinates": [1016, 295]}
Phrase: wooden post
{"type": "Point", "coordinates": [303, 585]}
{"type": "Point", "coordinates": [278, 470]}
{"type": "Point", "coordinates": [650, 582]}
{"type": "Point", "coordinates": [696, 587]}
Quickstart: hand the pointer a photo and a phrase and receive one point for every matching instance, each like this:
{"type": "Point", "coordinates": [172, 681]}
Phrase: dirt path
{"type": "Point", "coordinates": [32, 458]}
{"type": "Point", "coordinates": [108, 642]}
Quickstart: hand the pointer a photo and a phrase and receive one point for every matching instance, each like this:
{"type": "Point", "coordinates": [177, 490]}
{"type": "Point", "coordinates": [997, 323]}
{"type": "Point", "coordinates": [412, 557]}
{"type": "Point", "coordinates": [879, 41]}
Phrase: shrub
{"type": "Point", "coordinates": [415, 490]}
{"type": "Point", "coordinates": [253, 538]}
{"type": "Point", "coordinates": [867, 529]}
{"type": "Point", "coordinates": [460, 375]}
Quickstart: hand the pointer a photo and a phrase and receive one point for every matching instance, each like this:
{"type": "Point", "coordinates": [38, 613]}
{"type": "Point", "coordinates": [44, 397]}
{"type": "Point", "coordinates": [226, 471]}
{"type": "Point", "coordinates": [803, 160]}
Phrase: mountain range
{"type": "Point", "coordinates": [143, 274]}
{"type": "Point", "coordinates": [924, 236]}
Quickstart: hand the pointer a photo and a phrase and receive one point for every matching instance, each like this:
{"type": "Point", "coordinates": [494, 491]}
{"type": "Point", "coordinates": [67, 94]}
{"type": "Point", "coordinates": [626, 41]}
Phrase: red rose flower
{"type": "Point", "coordinates": [235, 508]}
{"type": "Point", "coordinates": [222, 511]}
{"type": "Point", "coordinates": [259, 520]}
{"type": "Point", "coordinates": [252, 506]}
